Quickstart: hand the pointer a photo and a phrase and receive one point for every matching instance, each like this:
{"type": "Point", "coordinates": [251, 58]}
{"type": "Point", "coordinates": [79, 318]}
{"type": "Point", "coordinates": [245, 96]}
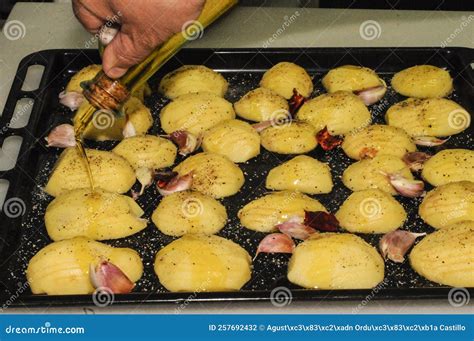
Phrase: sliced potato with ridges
{"type": "Point", "coordinates": [110, 172]}
{"type": "Point", "coordinates": [284, 77]}
{"type": "Point", "coordinates": [303, 174]}
{"type": "Point", "coordinates": [189, 212]}
{"type": "Point", "coordinates": [428, 117]}
{"type": "Point", "coordinates": [295, 137]}
{"type": "Point", "coordinates": [213, 174]}
{"type": "Point", "coordinates": [381, 139]}
{"type": "Point", "coordinates": [264, 213]}
{"type": "Point", "coordinates": [147, 151]}
{"type": "Point", "coordinates": [371, 211]}
{"type": "Point", "coordinates": [97, 215]}
{"type": "Point", "coordinates": [351, 78]}
{"type": "Point", "coordinates": [369, 173]}
{"type": "Point", "coordinates": [449, 165]}
{"type": "Point", "coordinates": [423, 81]}
{"type": "Point", "coordinates": [62, 268]}
{"type": "Point", "coordinates": [448, 204]}
{"type": "Point", "coordinates": [335, 261]}
{"type": "Point", "coordinates": [447, 256]}
{"type": "Point", "coordinates": [341, 112]}
{"type": "Point", "coordinates": [261, 104]}
{"type": "Point", "coordinates": [192, 78]}
{"type": "Point", "coordinates": [197, 263]}
{"type": "Point", "coordinates": [236, 139]}
{"type": "Point", "coordinates": [195, 113]}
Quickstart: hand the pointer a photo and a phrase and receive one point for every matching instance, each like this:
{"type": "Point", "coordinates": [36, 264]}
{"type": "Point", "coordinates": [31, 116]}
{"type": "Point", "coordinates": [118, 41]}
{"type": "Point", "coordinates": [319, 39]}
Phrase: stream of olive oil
{"type": "Point", "coordinates": [84, 120]}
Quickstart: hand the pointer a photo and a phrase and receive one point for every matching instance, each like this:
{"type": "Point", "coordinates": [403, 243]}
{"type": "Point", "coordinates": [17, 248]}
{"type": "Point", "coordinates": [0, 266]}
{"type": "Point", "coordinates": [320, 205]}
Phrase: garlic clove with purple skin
{"type": "Point", "coordinates": [71, 99]}
{"type": "Point", "coordinates": [406, 187]}
{"type": "Point", "coordinates": [171, 182]}
{"type": "Point", "coordinates": [295, 228]}
{"type": "Point", "coordinates": [429, 141]}
{"type": "Point", "coordinates": [107, 275]}
{"type": "Point", "coordinates": [276, 243]}
{"type": "Point", "coordinates": [129, 130]}
{"type": "Point", "coordinates": [187, 143]}
{"type": "Point", "coordinates": [261, 126]}
{"type": "Point", "coordinates": [415, 160]}
{"type": "Point", "coordinates": [395, 245]}
{"type": "Point", "coordinates": [62, 136]}
{"type": "Point", "coordinates": [371, 95]}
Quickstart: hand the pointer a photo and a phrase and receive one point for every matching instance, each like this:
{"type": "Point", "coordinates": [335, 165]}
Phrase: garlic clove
{"type": "Point", "coordinates": [429, 141]}
{"type": "Point", "coordinates": [171, 182]}
{"type": "Point", "coordinates": [276, 243]}
{"type": "Point", "coordinates": [321, 221]}
{"type": "Point", "coordinates": [71, 99]}
{"type": "Point", "coordinates": [107, 275]}
{"type": "Point", "coordinates": [406, 187]}
{"type": "Point", "coordinates": [295, 228]}
{"type": "Point", "coordinates": [144, 177]}
{"type": "Point", "coordinates": [371, 95]}
{"type": "Point", "coordinates": [395, 245]}
{"type": "Point", "coordinates": [129, 130]}
{"type": "Point", "coordinates": [187, 143]}
{"type": "Point", "coordinates": [415, 160]}
{"type": "Point", "coordinates": [62, 136]}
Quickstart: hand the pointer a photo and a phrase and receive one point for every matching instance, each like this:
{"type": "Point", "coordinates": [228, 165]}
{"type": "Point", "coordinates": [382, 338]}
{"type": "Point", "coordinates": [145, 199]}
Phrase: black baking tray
{"type": "Point", "coordinates": [22, 236]}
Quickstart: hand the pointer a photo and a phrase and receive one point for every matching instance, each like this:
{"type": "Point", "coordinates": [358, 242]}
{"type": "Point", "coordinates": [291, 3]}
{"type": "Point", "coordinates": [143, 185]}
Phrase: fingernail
{"type": "Point", "coordinates": [116, 72]}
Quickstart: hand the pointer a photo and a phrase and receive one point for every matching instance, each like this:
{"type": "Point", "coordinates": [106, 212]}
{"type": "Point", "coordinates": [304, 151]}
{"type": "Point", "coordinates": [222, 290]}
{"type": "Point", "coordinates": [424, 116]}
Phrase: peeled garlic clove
{"type": "Point", "coordinates": [371, 95]}
{"type": "Point", "coordinates": [395, 245]}
{"type": "Point", "coordinates": [187, 143]}
{"type": "Point", "coordinates": [295, 228]}
{"type": "Point", "coordinates": [129, 130]}
{"type": "Point", "coordinates": [144, 177]}
{"type": "Point", "coordinates": [406, 187]}
{"type": "Point", "coordinates": [62, 136]}
{"type": "Point", "coordinates": [71, 99]}
{"type": "Point", "coordinates": [107, 275]}
{"type": "Point", "coordinates": [429, 141]}
{"type": "Point", "coordinates": [107, 33]}
{"type": "Point", "coordinates": [276, 243]}
{"type": "Point", "coordinates": [415, 160]}
{"type": "Point", "coordinates": [171, 182]}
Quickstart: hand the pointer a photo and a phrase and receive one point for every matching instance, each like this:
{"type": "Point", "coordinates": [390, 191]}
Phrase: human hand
{"type": "Point", "coordinates": [144, 24]}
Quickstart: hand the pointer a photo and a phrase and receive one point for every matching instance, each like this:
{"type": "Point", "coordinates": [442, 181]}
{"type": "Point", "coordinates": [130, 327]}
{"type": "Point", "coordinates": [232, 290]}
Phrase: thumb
{"type": "Point", "coordinates": [122, 53]}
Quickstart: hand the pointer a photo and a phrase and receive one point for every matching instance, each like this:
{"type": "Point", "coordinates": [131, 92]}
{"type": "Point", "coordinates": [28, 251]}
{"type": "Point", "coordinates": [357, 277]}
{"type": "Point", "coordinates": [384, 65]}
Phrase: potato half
{"type": "Point", "coordinates": [371, 211]}
{"type": "Point", "coordinates": [62, 268]}
{"type": "Point", "coordinates": [368, 173]}
{"type": "Point", "coordinates": [303, 174]}
{"type": "Point", "coordinates": [423, 81]}
{"type": "Point", "coordinates": [351, 78]}
{"type": "Point", "coordinates": [189, 212]}
{"type": "Point", "coordinates": [110, 172]}
{"type": "Point", "coordinates": [272, 209]}
{"type": "Point", "coordinates": [335, 261]}
{"type": "Point", "coordinates": [428, 117]}
{"type": "Point", "coordinates": [197, 263]}
{"type": "Point", "coordinates": [447, 256]}
{"type": "Point", "coordinates": [377, 139]}
{"type": "Point", "coordinates": [213, 174]}
{"type": "Point", "coordinates": [109, 126]}
{"type": "Point", "coordinates": [341, 112]}
{"type": "Point", "coordinates": [284, 77]}
{"type": "Point", "coordinates": [147, 151]}
{"type": "Point", "coordinates": [296, 137]}
{"type": "Point", "coordinates": [261, 104]}
{"type": "Point", "coordinates": [449, 165]}
{"type": "Point", "coordinates": [448, 204]}
{"type": "Point", "coordinates": [97, 215]}
{"type": "Point", "coordinates": [236, 139]}
{"type": "Point", "coordinates": [195, 113]}
{"type": "Point", "coordinates": [192, 78]}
